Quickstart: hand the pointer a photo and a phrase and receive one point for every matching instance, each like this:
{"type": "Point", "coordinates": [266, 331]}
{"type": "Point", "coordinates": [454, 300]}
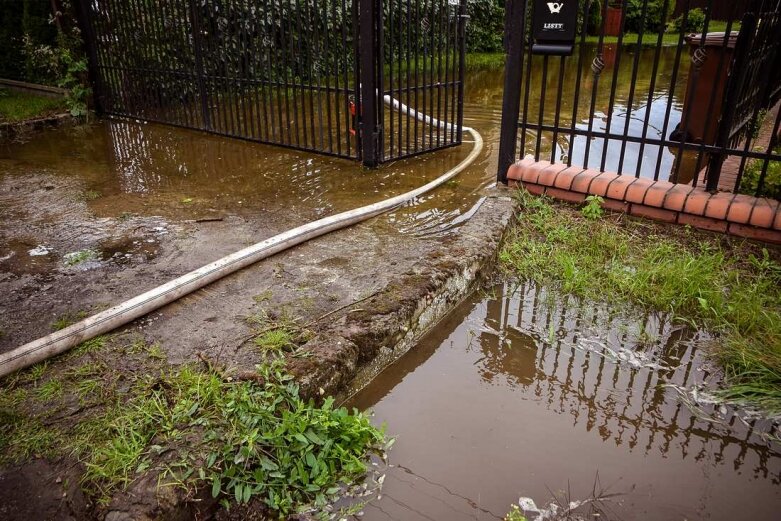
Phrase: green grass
{"type": "Point", "coordinates": [19, 106]}
{"type": "Point", "coordinates": [478, 60]}
{"type": "Point", "coordinates": [732, 288]}
{"type": "Point", "coordinates": [242, 439]}
{"type": "Point", "coordinates": [668, 38]}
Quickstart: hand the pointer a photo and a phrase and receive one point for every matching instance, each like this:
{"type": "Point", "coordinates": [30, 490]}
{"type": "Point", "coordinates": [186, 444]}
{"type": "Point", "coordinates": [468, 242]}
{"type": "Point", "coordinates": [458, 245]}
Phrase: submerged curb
{"type": "Point", "coordinates": [363, 341]}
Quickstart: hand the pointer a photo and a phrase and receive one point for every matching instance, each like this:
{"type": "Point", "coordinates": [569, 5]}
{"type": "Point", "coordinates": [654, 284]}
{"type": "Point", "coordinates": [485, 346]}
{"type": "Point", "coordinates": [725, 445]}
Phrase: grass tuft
{"type": "Point", "coordinates": [243, 438]}
{"type": "Point", "coordinates": [18, 106]}
{"type": "Point", "coordinates": [731, 288]}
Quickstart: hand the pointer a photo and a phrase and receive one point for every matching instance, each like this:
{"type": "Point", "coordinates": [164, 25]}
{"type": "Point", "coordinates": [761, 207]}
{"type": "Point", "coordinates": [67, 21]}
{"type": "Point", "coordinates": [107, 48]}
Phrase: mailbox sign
{"type": "Point", "coordinates": [553, 26]}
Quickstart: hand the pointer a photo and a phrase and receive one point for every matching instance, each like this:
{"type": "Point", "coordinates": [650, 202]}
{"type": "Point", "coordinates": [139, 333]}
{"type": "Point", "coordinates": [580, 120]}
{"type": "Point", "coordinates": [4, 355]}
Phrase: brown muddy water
{"type": "Point", "coordinates": [125, 167]}
{"type": "Point", "coordinates": [522, 393]}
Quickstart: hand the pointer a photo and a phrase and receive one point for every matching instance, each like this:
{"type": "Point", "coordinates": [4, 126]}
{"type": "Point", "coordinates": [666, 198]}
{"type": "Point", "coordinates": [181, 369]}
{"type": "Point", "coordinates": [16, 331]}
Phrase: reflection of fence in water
{"type": "Point", "coordinates": [576, 375]}
{"type": "Point", "coordinates": [148, 157]}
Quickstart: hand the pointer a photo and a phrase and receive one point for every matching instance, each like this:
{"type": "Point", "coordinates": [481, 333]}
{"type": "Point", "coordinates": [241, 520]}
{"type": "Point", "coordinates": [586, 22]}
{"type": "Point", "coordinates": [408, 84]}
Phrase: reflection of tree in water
{"type": "Point", "coordinates": [607, 370]}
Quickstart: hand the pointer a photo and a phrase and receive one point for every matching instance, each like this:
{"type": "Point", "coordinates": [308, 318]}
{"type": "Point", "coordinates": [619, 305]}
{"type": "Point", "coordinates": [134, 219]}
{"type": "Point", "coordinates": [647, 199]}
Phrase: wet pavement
{"type": "Point", "coordinates": [524, 393]}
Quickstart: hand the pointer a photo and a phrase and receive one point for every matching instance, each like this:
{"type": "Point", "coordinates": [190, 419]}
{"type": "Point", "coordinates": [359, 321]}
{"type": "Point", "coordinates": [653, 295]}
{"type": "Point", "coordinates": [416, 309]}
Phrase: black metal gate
{"type": "Point", "coordinates": [646, 94]}
{"type": "Point", "coordinates": [350, 78]}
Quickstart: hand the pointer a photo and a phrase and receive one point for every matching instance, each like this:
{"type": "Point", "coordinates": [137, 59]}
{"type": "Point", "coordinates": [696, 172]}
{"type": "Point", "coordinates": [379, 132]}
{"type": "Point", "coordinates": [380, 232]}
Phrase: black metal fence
{"type": "Point", "coordinates": [342, 77]}
{"type": "Point", "coordinates": [691, 99]}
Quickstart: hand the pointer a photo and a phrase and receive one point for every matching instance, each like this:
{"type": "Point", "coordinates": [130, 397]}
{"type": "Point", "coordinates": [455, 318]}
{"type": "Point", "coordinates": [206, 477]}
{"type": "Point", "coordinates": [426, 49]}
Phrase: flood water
{"type": "Point", "coordinates": [523, 393]}
{"type": "Point", "coordinates": [130, 167]}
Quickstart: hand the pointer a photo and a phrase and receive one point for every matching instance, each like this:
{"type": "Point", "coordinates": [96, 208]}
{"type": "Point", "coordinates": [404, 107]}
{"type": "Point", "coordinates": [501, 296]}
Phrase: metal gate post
{"type": "Point", "coordinates": [90, 43]}
{"type": "Point", "coordinates": [199, 72]}
{"type": "Point", "coordinates": [514, 31]}
{"type": "Point", "coordinates": [369, 63]}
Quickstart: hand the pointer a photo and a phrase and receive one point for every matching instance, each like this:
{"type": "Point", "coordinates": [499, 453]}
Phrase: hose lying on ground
{"type": "Point", "coordinates": [112, 318]}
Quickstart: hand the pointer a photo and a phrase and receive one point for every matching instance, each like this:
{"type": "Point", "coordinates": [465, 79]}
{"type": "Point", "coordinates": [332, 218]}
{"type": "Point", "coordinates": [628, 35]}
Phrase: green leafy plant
{"type": "Point", "coordinates": [771, 184]}
{"type": "Point", "coordinates": [257, 439]}
{"type": "Point", "coordinates": [695, 22]}
{"type": "Point", "coordinates": [75, 69]}
{"type": "Point", "coordinates": [640, 17]}
{"type": "Point", "coordinates": [515, 514]}
{"type": "Point", "coordinates": [594, 22]}
{"type": "Point", "coordinates": [593, 207]}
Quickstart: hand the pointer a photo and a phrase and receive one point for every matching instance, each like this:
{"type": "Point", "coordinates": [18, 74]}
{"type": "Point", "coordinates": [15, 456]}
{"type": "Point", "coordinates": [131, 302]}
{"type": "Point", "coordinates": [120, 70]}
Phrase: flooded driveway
{"type": "Point", "coordinates": [523, 393]}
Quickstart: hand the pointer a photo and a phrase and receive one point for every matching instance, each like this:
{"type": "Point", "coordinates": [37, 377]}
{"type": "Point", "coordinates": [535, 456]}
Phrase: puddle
{"type": "Point", "coordinates": [521, 394]}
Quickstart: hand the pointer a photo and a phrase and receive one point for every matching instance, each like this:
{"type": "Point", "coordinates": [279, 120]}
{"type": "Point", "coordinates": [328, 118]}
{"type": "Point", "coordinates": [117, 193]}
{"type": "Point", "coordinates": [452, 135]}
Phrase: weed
{"type": "Point", "coordinates": [515, 514]}
{"type": "Point", "coordinates": [263, 297]}
{"type": "Point", "coordinates": [77, 257]}
{"type": "Point", "coordinates": [62, 322]}
{"type": "Point", "coordinates": [275, 340]}
{"type": "Point", "coordinates": [89, 346]}
{"type": "Point", "coordinates": [37, 371]}
{"type": "Point", "coordinates": [198, 429]}
{"type": "Point", "coordinates": [278, 333]}
{"type": "Point", "coordinates": [19, 106]}
{"type": "Point", "coordinates": [258, 440]}
{"type": "Point", "coordinates": [593, 208]}
{"type": "Point", "coordinates": [50, 390]}
{"type": "Point", "coordinates": [91, 195]}
{"type": "Point", "coordinates": [22, 437]}
{"type": "Point", "coordinates": [734, 291]}
{"type": "Point", "coordinates": [771, 182]}
{"type": "Point", "coordinates": [187, 200]}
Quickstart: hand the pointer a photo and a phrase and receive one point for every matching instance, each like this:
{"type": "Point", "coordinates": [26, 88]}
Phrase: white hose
{"type": "Point", "coordinates": [60, 341]}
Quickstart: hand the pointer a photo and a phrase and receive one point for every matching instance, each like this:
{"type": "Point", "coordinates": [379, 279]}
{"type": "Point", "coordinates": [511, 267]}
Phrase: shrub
{"type": "Point", "coordinates": [485, 28]}
{"type": "Point", "coordinates": [594, 22]}
{"type": "Point", "coordinates": [771, 187]}
{"type": "Point", "coordinates": [695, 22]}
{"type": "Point", "coordinates": [653, 21]}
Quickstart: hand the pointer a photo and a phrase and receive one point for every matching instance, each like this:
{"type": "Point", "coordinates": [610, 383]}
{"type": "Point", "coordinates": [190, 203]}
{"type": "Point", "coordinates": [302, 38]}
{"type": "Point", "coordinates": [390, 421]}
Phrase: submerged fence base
{"type": "Point", "coordinates": [743, 215]}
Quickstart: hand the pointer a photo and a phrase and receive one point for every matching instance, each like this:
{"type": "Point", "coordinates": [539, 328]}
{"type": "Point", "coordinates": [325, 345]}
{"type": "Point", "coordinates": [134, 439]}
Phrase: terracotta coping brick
{"type": "Point", "coordinates": [718, 205]}
{"type": "Point", "coordinates": [548, 176]}
{"type": "Point", "coordinates": [600, 183]}
{"type": "Point", "coordinates": [706, 223]}
{"type": "Point", "coordinates": [618, 186]}
{"type": "Point", "coordinates": [751, 232]}
{"type": "Point", "coordinates": [764, 213]}
{"type": "Point", "coordinates": [676, 197]}
{"type": "Point", "coordinates": [696, 202]}
{"type": "Point", "coordinates": [566, 177]}
{"type": "Point", "coordinates": [655, 194]}
{"type": "Point", "coordinates": [583, 180]}
{"type": "Point", "coordinates": [637, 191]}
{"type": "Point", "coordinates": [653, 212]}
{"type": "Point", "coordinates": [747, 216]}
{"type": "Point", "coordinates": [532, 172]}
{"type": "Point", "coordinates": [740, 209]}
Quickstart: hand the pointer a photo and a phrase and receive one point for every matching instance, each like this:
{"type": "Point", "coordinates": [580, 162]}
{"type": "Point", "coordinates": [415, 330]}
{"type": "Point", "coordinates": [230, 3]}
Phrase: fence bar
{"type": "Point", "coordinates": [515, 23]}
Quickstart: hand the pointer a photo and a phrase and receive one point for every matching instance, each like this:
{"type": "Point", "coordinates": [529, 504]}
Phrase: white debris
{"type": "Point", "coordinates": [39, 251]}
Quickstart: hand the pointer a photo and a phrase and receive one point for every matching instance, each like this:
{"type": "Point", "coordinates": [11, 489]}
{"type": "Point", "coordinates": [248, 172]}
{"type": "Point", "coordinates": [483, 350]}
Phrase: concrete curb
{"type": "Point", "coordinates": [10, 129]}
